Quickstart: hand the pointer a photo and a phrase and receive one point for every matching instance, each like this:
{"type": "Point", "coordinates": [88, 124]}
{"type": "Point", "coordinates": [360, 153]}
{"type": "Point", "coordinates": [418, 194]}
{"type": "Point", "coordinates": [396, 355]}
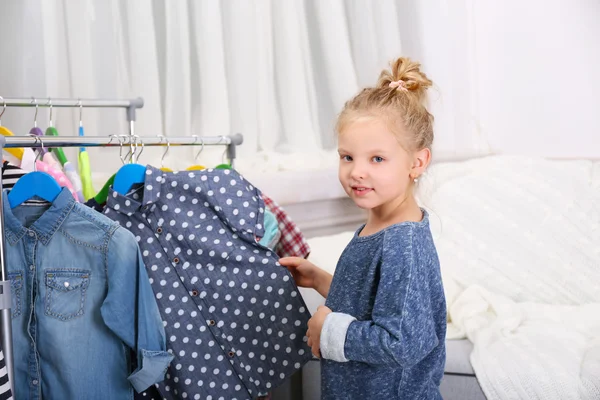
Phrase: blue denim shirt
{"type": "Point", "coordinates": [81, 300]}
{"type": "Point", "coordinates": [234, 318]}
{"type": "Point", "coordinates": [386, 336]}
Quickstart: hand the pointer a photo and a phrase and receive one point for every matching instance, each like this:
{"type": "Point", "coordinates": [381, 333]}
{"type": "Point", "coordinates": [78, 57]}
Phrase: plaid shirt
{"type": "Point", "coordinates": [292, 242]}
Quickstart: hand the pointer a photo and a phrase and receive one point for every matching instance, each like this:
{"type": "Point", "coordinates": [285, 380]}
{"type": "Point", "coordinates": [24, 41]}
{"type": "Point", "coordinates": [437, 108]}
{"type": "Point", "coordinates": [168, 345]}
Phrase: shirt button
{"type": "Point", "coordinates": [158, 230]}
{"type": "Point", "coordinates": [212, 322]}
{"type": "Point", "coordinates": [35, 381]}
{"type": "Point", "coordinates": [231, 354]}
{"type": "Point", "coordinates": [195, 293]}
{"type": "Point", "coordinates": [31, 233]}
{"type": "Point", "coordinates": [176, 260]}
{"type": "Point", "coordinates": [32, 267]}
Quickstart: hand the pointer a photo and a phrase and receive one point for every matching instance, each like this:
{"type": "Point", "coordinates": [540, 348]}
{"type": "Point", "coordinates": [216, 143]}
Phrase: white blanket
{"type": "Point", "coordinates": [519, 245]}
{"type": "Point", "coordinates": [530, 350]}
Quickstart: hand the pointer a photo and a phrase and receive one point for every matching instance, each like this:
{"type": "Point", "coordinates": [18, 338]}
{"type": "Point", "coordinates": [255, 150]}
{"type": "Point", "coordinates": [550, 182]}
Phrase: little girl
{"type": "Point", "coordinates": [381, 333]}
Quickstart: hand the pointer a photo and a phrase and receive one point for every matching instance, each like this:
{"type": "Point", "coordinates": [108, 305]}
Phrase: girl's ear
{"type": "Point", "coordinates": [421, 160]}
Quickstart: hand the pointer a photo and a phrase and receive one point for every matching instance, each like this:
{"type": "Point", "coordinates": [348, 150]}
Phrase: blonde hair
{"type": "Point", "coordinates": [400, 97]}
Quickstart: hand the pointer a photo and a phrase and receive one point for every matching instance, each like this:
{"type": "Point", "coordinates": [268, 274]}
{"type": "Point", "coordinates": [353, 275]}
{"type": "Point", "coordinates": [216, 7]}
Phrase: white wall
{"type": "Point", "coordinates": [520, 77]}
{"type": "Point", "coordinates": [539, 76]}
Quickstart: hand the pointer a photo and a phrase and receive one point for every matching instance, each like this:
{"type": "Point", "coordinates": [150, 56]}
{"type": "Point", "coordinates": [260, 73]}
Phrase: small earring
{"type": "Point", "coordinates": [415, 180]}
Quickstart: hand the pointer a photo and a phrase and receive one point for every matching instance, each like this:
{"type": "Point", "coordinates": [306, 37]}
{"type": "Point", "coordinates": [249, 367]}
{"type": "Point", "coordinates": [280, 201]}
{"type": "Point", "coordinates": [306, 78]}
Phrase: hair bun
{"type": "Point", "coordinates": [405, 75]}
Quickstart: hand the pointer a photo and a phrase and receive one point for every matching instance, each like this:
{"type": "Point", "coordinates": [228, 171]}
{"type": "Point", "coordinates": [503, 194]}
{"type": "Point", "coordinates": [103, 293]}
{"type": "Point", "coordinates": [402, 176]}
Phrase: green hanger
{"type": "Point", "coordinates": [102, 195]}
{"type": "Point", "coordinates": [51, 131]}
{"type": "Point", "coordinates": [223, 166]}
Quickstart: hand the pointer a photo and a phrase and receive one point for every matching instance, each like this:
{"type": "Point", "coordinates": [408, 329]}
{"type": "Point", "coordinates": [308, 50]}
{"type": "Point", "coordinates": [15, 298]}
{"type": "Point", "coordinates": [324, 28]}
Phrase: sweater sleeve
{"type": "Point", "coordinates": [401, 330]}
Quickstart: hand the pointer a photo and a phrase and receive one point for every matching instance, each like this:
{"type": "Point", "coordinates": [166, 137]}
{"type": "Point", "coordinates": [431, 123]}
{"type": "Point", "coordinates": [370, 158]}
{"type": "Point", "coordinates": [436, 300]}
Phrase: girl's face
{"type": "Point", "coordinates": [375, 170]}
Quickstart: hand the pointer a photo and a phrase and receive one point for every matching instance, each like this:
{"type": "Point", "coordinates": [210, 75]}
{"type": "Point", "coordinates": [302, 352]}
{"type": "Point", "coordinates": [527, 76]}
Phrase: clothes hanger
{"type": "Point", "coordinates": [35, 131]}
{"type": "Point", "coordinates": [129, 174]}
{"type": "Point", "coordinates": [223, 165]}
{"type": "Point", "coordinates": [29, 155]}
{"type": "Point", "coordinates": [85, 171]}
{"type": "Point", "coordinates": [197, 167]}
{"type": "Point", "coordinates": [16, 152]}
{"type": "Point", "coordinates": [68, 167]}
{"type": "Point", "coordinates": [162, 160]}
{"type": "Point", "coordinates": [57, 151]}
{"type": "Point", "coordinates": [47, 156]}
{"type": "Point", "coordinates": [34, 184]}
{"type": "Point", "coordinates": [102, 195]}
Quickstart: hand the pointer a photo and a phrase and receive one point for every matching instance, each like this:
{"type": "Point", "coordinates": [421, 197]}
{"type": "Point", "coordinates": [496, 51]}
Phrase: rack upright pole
{"type": "Point", "coordinates": [5, 296]}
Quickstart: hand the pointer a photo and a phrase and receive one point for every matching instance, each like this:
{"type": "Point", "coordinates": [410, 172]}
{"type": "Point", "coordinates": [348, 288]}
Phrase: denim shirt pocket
{"type": "Point", "coordinates": [16, 287]}
{"type": "Point", "coordinates": [65, 292]}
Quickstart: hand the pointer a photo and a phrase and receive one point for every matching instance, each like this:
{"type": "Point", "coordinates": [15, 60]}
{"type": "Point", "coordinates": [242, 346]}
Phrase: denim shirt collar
{"type": "Point", "coordinates": [45, 226]}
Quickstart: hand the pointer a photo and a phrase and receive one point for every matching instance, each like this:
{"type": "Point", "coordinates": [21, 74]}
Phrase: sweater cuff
{"type": "Point", "coordinates": [333, 336]}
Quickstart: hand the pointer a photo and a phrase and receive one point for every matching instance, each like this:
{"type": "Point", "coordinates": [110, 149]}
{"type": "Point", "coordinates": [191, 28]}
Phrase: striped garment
{"type": "Point", "coordinates": [5, 392]}
{"type": "Point", "coordinates": [10, 175]}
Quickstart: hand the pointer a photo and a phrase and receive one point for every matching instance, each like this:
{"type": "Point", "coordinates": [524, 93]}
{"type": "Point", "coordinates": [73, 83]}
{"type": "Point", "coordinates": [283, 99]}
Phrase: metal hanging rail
{"type": "Point", "coordinates": [130, 104]}
{"type": "Point", "coordinates": [71, 102]}
{"type": "Point", "coordinates": [230, 141]}
{"type": "Point", "coordinates": [117, 141]}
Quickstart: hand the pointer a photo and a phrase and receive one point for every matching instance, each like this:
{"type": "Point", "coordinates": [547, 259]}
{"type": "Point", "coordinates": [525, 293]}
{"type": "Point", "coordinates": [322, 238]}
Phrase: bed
{"type": "Point", "coordinates": [519, 246]}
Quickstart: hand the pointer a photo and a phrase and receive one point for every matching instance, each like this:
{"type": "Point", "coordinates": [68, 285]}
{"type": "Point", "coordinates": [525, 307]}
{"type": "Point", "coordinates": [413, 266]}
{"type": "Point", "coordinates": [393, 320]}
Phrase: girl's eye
{"type": "Point", "coordinates": [378, 159]}
{"type": "Point", "coordinates": [346, 158]}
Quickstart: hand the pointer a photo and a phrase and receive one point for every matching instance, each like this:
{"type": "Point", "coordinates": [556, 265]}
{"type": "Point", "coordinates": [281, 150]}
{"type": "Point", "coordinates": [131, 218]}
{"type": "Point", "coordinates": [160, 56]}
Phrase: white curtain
{"type": "Point", "coordinates": [279, 71]}
{"type": "Point", "coordinates": [276, 71]}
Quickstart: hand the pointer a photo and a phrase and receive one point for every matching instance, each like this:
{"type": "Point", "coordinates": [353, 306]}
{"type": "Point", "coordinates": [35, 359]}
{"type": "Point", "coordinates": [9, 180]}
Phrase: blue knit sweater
{"type": "Point", "coordinates": [386, 336]}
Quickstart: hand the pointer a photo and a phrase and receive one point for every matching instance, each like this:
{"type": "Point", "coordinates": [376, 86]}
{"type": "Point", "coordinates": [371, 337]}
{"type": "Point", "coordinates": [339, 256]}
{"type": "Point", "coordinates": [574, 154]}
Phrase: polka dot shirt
{"type": "Point", "coordinates": [233, 316]}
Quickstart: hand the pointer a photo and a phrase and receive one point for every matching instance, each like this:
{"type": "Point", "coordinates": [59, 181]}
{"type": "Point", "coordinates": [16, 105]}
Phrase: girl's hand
{"type": "Point", "coordinates": [307, 274]}
{"type": "Point", "coordinates": [315, 326]}
{"type": "Point", "coordinates": [303, 271]}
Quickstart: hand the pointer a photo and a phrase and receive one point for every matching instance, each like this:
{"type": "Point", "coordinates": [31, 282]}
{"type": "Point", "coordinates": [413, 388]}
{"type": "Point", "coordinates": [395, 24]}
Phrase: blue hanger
{"type": "Point", "coordinates": [127, 176]}
{"type": "Point", "coordinates": [33, 184]}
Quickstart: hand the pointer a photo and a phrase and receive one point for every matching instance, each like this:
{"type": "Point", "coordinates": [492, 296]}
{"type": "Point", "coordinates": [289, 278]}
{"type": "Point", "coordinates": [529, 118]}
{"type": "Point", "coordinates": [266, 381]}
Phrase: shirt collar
{"type": "Point", "coordinates": [213, 195]}
{"type": "Point", "coordinates": [45, 226]}
{"type": "Point", "coordinates": [128, 205]}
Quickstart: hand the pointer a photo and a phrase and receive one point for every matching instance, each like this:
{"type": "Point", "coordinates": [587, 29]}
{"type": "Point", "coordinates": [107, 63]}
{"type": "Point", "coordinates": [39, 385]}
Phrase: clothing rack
{"type": "Point", "coordinates": [77, 141]}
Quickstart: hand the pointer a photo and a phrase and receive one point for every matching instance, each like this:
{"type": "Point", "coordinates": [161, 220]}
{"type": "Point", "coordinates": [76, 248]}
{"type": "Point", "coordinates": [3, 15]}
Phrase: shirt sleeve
{"type": "Point", "coordinates": [402, 329]}
{"type": "Point", "coordinates": [131, 312]}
